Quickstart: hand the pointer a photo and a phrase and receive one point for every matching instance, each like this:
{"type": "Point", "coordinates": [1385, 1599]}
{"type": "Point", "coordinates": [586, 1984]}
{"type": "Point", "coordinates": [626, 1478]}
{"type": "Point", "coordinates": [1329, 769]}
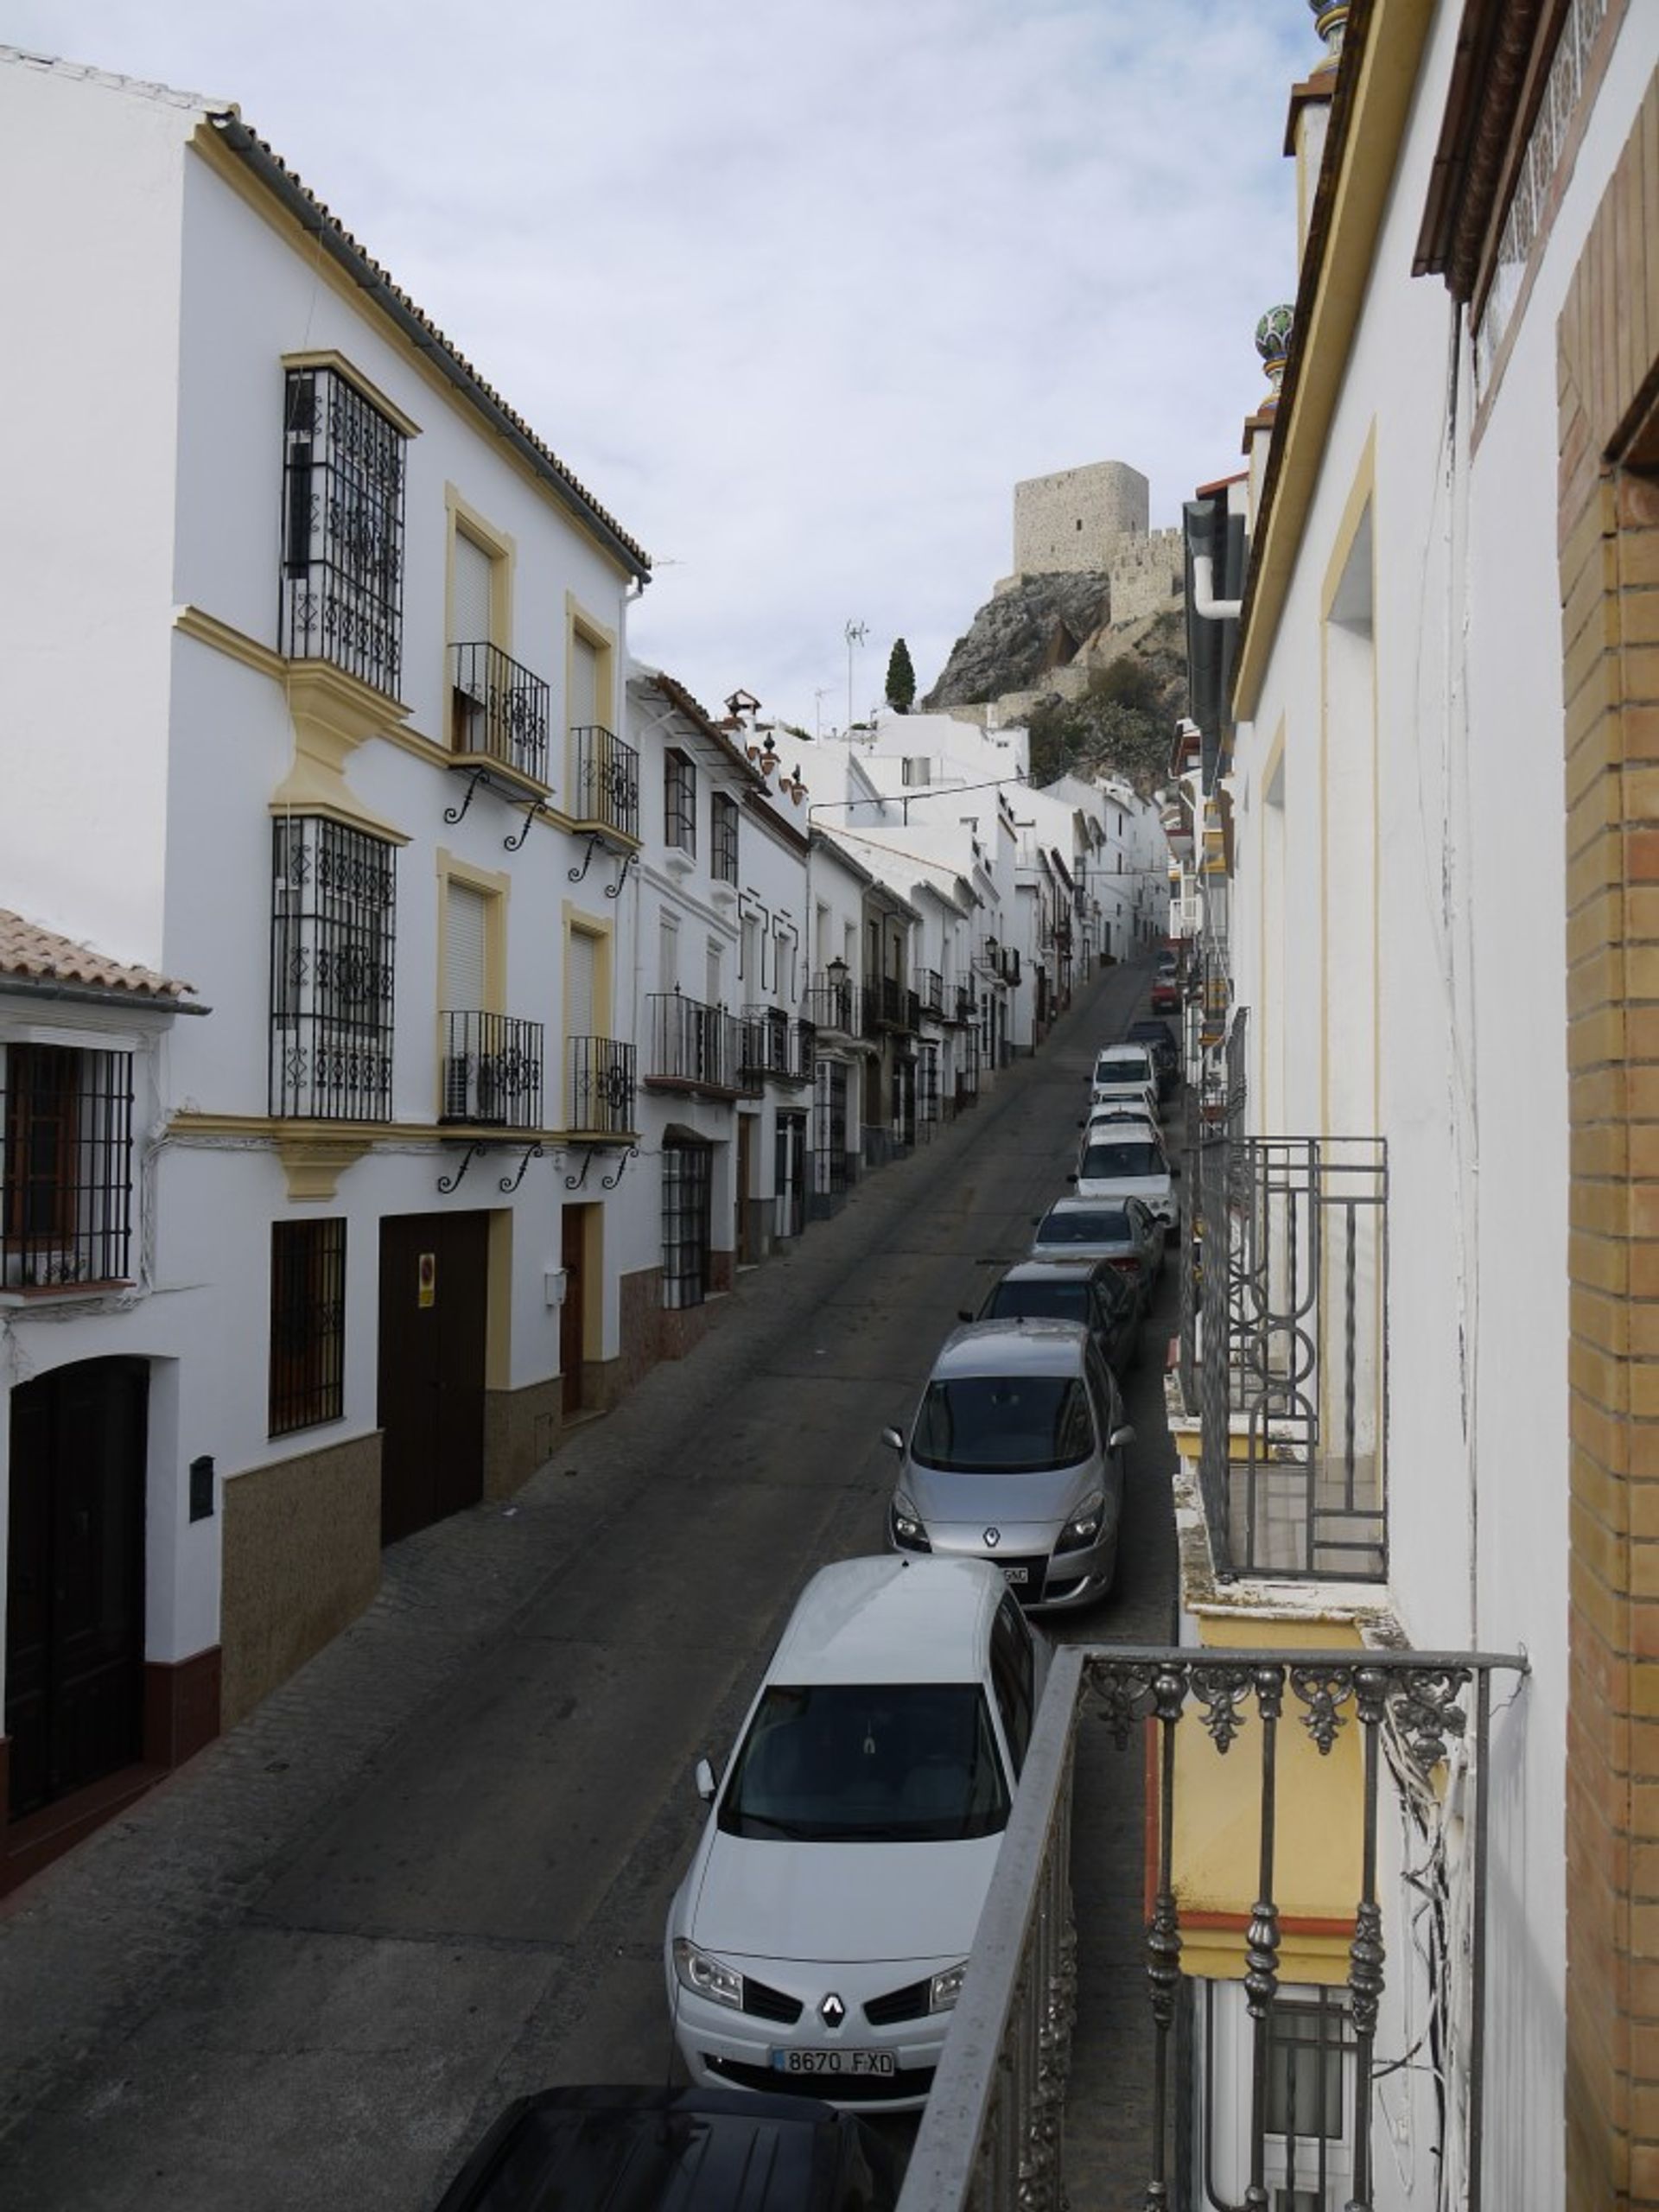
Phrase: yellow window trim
{"type": "Point", "coordinates": [328, 356]}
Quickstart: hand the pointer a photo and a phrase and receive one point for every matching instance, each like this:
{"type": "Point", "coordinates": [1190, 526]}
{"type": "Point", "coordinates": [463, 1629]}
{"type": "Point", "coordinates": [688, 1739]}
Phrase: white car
{"type": "Point", "coordinates": [1128, 1166]}
{"type": "Point", "coordinates": [818, 1942]}
{"type": "Point", "coordinates": [1124, 1074]}
{"type": "Point", "coordinates": [1109, 1123]}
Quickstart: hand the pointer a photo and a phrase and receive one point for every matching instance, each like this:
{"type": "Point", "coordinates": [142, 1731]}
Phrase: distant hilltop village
{"type": "Point", "coordinates": [1089, 576]}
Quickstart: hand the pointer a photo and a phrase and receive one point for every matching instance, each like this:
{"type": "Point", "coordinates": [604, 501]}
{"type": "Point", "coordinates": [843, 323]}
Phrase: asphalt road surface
{"type": "Point", "coordinates": [432, 1872]}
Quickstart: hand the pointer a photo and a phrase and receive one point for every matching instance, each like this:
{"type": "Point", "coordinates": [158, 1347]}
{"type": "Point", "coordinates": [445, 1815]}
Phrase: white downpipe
{"type": "Point", "coordinates": [1205, 602]}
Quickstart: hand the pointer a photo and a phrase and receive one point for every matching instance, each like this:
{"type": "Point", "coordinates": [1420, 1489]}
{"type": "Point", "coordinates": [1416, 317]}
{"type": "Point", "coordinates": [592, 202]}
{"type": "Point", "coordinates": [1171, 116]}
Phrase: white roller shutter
{"type": "Point", "coordinates": [466, 916]}
{"type": "Point", "coordinates": [580, 967]}
{"type": "Point", "coordinates": [584, 684]}
{"type": "Point", "coordinates": [473, 576]}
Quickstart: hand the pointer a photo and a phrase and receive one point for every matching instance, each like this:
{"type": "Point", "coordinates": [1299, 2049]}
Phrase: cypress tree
{"type": "Point", "coordinates": [901, 678]}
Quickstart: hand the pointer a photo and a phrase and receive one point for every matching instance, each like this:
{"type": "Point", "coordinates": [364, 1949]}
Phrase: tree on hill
{"type": "Point", "coordinates": [1124, 721]}
{"type": "Point", "coordinates": [901, 678]}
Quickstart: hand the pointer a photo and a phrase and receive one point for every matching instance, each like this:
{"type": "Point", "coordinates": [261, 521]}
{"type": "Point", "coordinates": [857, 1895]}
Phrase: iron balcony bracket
{"type": "Point", "coordinates": [575, 874]}
{"type": "Point", "coordinates": [614, 890]}
{"type": "Point", "coordinates": [610, 1182]}
{"type": "Point", "coordinates": [510, 1183]}
{"type": "Point", "coordinates": [536, 806]}
{"type": "Point", "coordinates": [454, 814]}
{"type": "Point", "coordinates": [576, 1182]}
{"type": "Point", "coordinates": [449, 1183]}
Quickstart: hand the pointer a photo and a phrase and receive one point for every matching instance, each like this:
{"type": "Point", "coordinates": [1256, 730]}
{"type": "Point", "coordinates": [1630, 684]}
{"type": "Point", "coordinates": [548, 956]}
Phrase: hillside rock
{"type": "Point", "coordinates": [1037, 625]}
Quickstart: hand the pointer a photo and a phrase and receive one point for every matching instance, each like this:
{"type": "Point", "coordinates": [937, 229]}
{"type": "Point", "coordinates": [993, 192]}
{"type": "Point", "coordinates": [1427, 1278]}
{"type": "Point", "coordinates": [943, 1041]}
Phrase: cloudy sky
{"type": "Point", "coordinates": [798, 287]}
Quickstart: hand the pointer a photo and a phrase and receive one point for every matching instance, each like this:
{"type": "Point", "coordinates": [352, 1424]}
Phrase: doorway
{"type": "Point", "coordinates": [573, 1239]}
{"type": "Point", "coordinates": [75, 1578]}
{"type": "Point", "coordinates": [434, 1312]}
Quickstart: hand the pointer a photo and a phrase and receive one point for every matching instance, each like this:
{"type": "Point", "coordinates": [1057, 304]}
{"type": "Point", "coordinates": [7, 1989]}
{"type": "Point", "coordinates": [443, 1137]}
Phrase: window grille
{"type": "Point", "coordinates": [830, 1129]}
{"type": "Point", "coordinates": [342, 591]}
{"type": "Point", "coordinates": [332, 936]}
{"type": "Point", "coordinates": [308, 1324]}
{"type": "Point", "coordinates": [680, 803]}
{"type": "Point", "coordinates": [723, 866]}
{"type": "Point", "coordinates": [688, 1191]}
{"type": "Point", "coordinates": [66, 1171]}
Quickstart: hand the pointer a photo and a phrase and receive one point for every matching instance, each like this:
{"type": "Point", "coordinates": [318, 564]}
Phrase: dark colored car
{"type": "Point", "coordinates": [629, 2150]}
{"type": "Point", "coordinates": [1159, 1040]}
{"type": "Point", "coordinates": [1093, 1293]}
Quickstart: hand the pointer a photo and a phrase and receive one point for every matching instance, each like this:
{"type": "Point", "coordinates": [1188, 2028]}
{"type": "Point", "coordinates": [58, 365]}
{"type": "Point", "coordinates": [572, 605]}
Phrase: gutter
{"type": "Point", "coordinates": [43, 986]}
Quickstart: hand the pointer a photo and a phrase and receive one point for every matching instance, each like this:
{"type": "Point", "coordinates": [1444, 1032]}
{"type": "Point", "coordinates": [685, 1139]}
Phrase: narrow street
{"type": "Point", "coordinates": [431, 1872]}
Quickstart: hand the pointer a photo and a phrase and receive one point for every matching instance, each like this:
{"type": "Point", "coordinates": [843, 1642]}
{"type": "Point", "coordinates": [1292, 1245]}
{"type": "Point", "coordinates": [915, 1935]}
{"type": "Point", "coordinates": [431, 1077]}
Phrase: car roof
{"type": "Point", "coordinates": [1058, 1269]}
{"type": "Point", "coordinates": [892, 1618]}
{"type": "Point", "coordinates": [1075, 1204]}
{"type": "Point", "coordinates": [1019, 1344]}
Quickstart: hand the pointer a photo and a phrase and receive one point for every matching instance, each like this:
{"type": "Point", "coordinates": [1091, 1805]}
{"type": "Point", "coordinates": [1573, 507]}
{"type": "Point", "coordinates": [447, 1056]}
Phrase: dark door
{"type": "Point", "coordinates": [75, 1578]}
{"type": "Point", "coordinates": [434, 1290]}
{"type": "Point", "coordinates": [744, 1221]}
{"type": "Point", "coordinates": [571, 1330]}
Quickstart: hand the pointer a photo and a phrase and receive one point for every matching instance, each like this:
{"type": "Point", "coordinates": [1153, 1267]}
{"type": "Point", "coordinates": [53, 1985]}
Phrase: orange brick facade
{"type": "Point", "coordinates": [1609, 544]}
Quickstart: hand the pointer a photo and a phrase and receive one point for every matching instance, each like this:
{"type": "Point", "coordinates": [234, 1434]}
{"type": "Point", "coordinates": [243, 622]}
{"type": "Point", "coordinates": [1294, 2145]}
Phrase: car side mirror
{"type": "Point", "coordinates": [963, 1314]}
{"type": "Point", "coordinates": [891, 1439]}
{"type": "Point", "coordinates": [1120, 1437]}
{"type": "Point", "coordinates": [1071, 1179]}
{"type": "Point", "coordinates": [707, 1780]}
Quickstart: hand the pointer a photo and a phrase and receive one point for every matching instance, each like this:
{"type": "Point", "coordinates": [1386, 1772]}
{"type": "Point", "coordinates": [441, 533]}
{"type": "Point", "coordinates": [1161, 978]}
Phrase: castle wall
{"type": "Point", "coordinates": [1074, 519]}
{"type": "Point", "coordinates": [1147, 575]}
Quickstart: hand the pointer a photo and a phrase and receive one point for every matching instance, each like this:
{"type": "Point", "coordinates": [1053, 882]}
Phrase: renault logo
{"type": "Point", "coordinates": [993, 1538]}
{"type": "Point", "coordinates": [832, 2011]}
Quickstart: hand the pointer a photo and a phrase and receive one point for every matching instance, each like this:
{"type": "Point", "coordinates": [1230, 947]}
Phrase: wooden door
{"type": "Point", "coordinates": [434, 1315]}
{"type": "Point", "coordinates": [572, 1330]}
{"type": "Point", "coordinates": [744, 1238]}
{"type": "Point", "coordinates": [75, 1578]}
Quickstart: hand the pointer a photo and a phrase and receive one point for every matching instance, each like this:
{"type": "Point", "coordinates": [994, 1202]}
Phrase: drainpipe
{"type": "Point", "coordinates": [1205, 602]}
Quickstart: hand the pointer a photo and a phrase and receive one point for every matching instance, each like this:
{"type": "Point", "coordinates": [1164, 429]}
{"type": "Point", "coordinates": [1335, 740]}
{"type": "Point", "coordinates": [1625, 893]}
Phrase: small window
{"type": "Point", "coordinates": [1014, 1678]}
{"type": "Point", "coordinates": [723, 864]}
{"type": "Point", "coordinates": [308, 1324]}
{"type": "Point", "coordinates": [688, 1189]}
{"type": "Point", "coordinates": [680, 803]}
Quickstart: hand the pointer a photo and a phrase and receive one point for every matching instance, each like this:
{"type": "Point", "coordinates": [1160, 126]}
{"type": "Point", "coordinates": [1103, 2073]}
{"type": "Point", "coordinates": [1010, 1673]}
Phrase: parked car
{"type": "Point", "coordinates": [1159, 1040]}
{"type": "Point", "coordinates": [1164, 996]}
{"type": "Point", "coordinates": [1016, 1457]}
{"type": "Point", "coordinates": [646, 2149]}
{"type": "Point", "coordinates": [819, 1940]}
{"type": "Point", "coordinates": [1092, 1293]}
{"type": "Point", "coordinates": [1127, 1233]}
{"type": "Point", "coordinates": [1124, 1072]}
{"type": "Point", "coordinates": [1120, 1123]}
{"type": "Point", "coordinates": [1126, 1167]}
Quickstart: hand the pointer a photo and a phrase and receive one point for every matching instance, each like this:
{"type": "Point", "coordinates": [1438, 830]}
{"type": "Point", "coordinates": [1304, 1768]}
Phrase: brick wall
{"type": "Point", "coordinates": [1609, 543]}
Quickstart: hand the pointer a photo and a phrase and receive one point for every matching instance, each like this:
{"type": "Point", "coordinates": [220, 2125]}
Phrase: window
{"type": "Point", "coordinates": [723, 866]}
{"type": "Point", "coordinates": [688, 1190]}
{"type": "Point", "coordinates": [748, 954]}
{"type": "Point", "coordinates": [332, 912]}
{"type": "Point", "coordinates": [67, 1166]}
{"type": "Point", "coordinates": [1014, 1678]}
{"type": "Point", "coordinates": [342, 596]}
{"type": "Point", "coordinates": [917, 769]}
{"type": "Point", "coordinates": [308, 1324]}
{"type": "Point", "coordinates": [680, 803]}
{"type": "Point", "coordinates": [829, 1129]}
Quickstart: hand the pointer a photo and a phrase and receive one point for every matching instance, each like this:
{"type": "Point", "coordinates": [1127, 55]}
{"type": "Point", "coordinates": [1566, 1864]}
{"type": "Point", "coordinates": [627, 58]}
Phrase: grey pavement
{"type": "Point", "coordinates": [431, 1871]}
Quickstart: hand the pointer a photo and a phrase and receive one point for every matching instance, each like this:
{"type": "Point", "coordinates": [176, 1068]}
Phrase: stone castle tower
{"type": "Point", "coordinates": [1074, 519]}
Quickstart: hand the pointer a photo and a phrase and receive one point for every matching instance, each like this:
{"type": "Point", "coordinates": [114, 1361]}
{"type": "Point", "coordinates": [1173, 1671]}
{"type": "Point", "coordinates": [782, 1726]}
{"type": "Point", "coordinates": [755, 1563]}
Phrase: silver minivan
{"type": "Point", "coordinates": [1015, 1456]}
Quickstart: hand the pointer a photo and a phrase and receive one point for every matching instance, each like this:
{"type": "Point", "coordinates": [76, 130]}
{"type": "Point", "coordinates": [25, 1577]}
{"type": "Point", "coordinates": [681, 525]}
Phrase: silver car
{"type": "Point", "coordinates": [1122, 1231]}
{"type": "Point", "coordinates": [1015, 1456]}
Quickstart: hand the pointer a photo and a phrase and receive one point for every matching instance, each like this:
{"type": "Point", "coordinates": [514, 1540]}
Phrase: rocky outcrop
{"type": "Point", "coordinates": [1033, 626]}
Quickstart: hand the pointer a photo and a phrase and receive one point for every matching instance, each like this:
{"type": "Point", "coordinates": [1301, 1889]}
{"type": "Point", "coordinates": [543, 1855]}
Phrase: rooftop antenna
{"type": "Point", "coordinates": [855, 633]}
{"type": "Point", "coordinates": [818, 698]}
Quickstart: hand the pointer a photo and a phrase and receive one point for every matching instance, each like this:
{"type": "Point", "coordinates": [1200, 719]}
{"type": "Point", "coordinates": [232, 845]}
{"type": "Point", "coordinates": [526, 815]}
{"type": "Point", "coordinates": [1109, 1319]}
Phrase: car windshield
{"type": "Point", "coordinates": [1003, 1424]}
{"type": "Point", "coordinates": [1056, 1299]}
{"type": "Point", "coordinates": [1105, 1227]}
{"type": "Point", "coordinates": [1133, 1070]}
{"type": "Point", "coordinates": [1104, 1159]}
{"type": "Point", "coordinates": [887, 1762]}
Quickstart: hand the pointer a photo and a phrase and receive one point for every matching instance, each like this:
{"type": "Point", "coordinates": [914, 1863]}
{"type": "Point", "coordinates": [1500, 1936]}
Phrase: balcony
{"type": "Point", "coordinates": [693, 1046]}
{"type": "Point", "coordinates": [66, 1168]}
{"type": "Point", "coordinates": [932, 993]}
{"type": "Point", "coordinates": [832, 1002]}
{"type": "Point", "coordinates": [1271, 2036]}
{"type": "Point", "coordinates": [491, 1071]}
{"type": "Point", "coordinates": [1282, 1352]}
{"type": "Point", "coordinates": [889, 1006]}
{"type": "Point", "coordinates": [498, 714]}
{"type": "Point", "coordinates": [600, 1098]}
{"type": "Point", "coordinates": [963, 1005]}
{"type": "Point", "coordinates": [773, 1048]}
{"type": "Point", "coordinates": [604, 784]}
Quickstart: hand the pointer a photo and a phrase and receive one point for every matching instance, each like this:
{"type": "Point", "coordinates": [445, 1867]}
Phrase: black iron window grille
{"type": "Point", "coordinates": [492, 1070]}
{"type": "Point", "coordinates": [601, 1087]}
{"type": "Point", "coordinates": [688, 1212]}
{"type": "Point", "coordinates": [498, 710]}
{"type": "Point", "coordinates": [308, 1324]}
{"type": "Point", "coordinates": [1292, 1378]}
{"type": "Point", "coordinates": [334, 911]}
{"type": "Point", "coordinates": [775, 1046]}
{"type": "Point", "coordinates": [606, 781]}
{"type": "Point", "coordinates": [829, 1177]}
{"type": "Point", "coordinates": [66, 1171]}
{"type": "Point", "coordinates": [342, 590]}
{"type": "Point", "coordinates": [830, 1004]}
{"type": "Point", "coordinates": [723, 860]}
{"type": "Point", "coordinates": [927, 1083]}
{"type": "Point", "coordinates": [696, 1046]}
{"type": "Point", "coordinates": [680, 803]}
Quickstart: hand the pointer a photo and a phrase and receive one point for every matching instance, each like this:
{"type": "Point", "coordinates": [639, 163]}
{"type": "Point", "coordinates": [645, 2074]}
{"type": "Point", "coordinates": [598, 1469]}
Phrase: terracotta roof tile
{"type": "Point", "coordinates": [28, 950]}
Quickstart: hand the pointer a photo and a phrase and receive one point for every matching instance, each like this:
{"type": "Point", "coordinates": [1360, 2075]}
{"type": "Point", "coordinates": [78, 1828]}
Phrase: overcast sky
{"type": "Point", "coordinates": [800, 289]}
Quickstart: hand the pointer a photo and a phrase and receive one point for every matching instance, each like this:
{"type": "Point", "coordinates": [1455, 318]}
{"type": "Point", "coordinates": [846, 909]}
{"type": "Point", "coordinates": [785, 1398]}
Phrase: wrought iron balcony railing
{"type": "Point", "coordinates": [965, 1004]}
{"type": "Point", "coordinates": [1379, 1733]}
{"type": "Point", "coordinates": [772, 1045]}
{"type": "Point", "coordinates": [498, 711]}
{"type": "Point", "coordinates": [693, 1046]}
{"type": "Point", "coordinates": [888, 1004]}
{"type": "Point", "coordinates": [831, 1005]}
{"type": "Point", "coordinates": [66, 1167]}
{"type": "Point", "coordinates": [1283, 1337]}
{"type": "Point", "coordinates": [932, 992]}
{"type": "Point", "coordinates": [492, 1070]}
{"type": "Point", "coordinates": [604, 782]}
{"type": "Point", "coordinates": [600, 1097]}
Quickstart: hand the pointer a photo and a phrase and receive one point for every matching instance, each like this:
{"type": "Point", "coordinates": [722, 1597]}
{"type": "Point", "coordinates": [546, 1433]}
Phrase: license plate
{"type": "Point", "coordinates": [1016, 1575]}
{"type": "Point", "coordinates": [838, 2063]}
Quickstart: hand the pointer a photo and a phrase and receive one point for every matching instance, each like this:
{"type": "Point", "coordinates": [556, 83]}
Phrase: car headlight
{"type": "Point", "coordinates": [906, 1522]}
{"type": "Point", "coordinates": [706, 1977]}
{"type": "Point", "coordinates": [1082, 1530]}
{"type": "Point", "coordinates": [944, 1988]}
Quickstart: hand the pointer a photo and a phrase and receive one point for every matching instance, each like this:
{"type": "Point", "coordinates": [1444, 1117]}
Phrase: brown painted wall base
{"type": "Point", "coordinates": [182, 1706]}
{"type": "Point", "coordinates": [652, 1332]}
{"type": "Point", "coordinates": [302, 1559]}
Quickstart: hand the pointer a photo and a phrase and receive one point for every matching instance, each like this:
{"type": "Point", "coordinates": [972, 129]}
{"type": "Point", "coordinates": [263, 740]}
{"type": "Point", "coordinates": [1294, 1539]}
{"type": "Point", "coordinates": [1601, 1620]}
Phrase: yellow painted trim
{"type": "Point", "coordinates": [1359, 504]}
{"type": "Point", "coordinates": [332, 714]}
{"type": "Point", "coordinates": [328, 358]}
{"type": "Point", "coordinates": [236, 645]}
{"type": "Point", "coordinates": [497, 1302]}
{"type": "Point", "coordinates": [1361, 495]}
{"type": "Point", "coordinates": [1273, 767]}
{"type": "Point", "coordinates": [276, 1129]}
{"type": "Point", "coordinates": [1375, 128]}
{"type": "Point", "coordinates": [313, 1164]}
{"type": "Point", "coordinates": [230, 171]}
{"type": "Point", "coordinates": [578, 623]}
{"type": "Point", "coordinates": [1218, 1955]}
{"type": "Point", "coordinates": [579, 921]}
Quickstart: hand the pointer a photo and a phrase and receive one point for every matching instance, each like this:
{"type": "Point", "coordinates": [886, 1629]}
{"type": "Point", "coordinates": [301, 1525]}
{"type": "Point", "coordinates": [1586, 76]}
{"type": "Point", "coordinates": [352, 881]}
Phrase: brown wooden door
{"type": "Point", "coordinates": [75, 1578]}
{"type": "Point", "coordinates": [571, 1330]}
{"type": "Point", "coordinates": [433, 1310]}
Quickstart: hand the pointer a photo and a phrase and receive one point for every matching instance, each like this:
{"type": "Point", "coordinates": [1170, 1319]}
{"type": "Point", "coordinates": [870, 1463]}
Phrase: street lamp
{"type": "Point", "coordinates": [855, 633]}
